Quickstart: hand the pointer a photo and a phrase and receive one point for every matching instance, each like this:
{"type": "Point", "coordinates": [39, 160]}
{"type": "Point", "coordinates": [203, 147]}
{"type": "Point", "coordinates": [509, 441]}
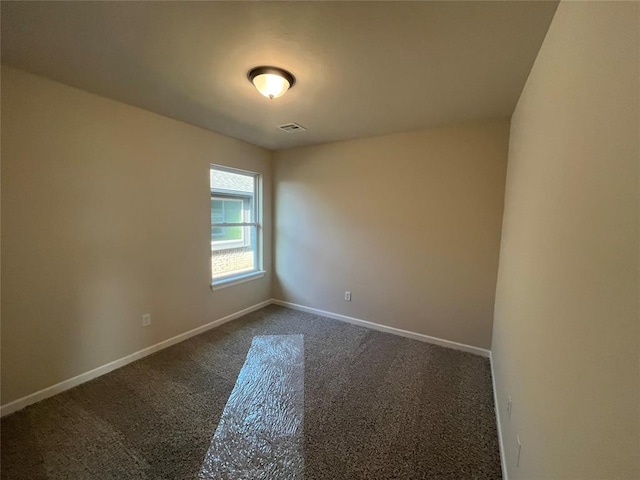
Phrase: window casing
{"type": "Point", "coordinates": [236, 244]}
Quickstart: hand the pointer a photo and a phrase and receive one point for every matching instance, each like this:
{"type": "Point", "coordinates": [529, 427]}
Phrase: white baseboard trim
{"type": "Point", "coordinates": [383, 328]}
{"type": "Point", "coordinates": [503, 460]}
{"type": "Point", "coordinates": [23, 402]}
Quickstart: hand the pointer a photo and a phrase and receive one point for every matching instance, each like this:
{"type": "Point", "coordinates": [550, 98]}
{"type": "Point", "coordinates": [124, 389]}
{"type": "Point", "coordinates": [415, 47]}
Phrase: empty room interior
{"type": "Point", "coordinates": [320, 240]}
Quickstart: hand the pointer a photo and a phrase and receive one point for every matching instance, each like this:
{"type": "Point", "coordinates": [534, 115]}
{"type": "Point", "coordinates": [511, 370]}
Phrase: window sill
{"type": "Point", "coordinates": [242, 278]}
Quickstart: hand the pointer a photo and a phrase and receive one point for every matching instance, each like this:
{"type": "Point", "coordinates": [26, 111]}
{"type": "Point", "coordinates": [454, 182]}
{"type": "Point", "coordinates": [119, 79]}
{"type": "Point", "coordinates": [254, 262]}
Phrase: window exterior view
{"type": "Point", "coordinates": [234, 224]}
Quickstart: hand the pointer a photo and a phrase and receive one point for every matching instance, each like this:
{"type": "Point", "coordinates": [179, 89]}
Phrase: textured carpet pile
{"type": "Point", "coordinates": [376, 406]}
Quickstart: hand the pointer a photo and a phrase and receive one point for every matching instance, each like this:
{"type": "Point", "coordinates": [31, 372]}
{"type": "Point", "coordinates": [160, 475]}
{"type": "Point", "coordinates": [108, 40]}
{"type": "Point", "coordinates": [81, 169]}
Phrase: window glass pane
{"type": "Point", "coordinates": [233, 211]}
{"type": "Point", "coordinates": [227, 210]}
{"type": "Point", "coordinates": [239, 259]}
{"type": "Point", "coordinates": [217, 215]}
{"type": "Point", "coordinates": [223, 181]}
{"type": "Point", "coordinates": [227, 234]}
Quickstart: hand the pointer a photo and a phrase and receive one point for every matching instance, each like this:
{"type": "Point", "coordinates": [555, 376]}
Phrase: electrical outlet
{"type": "Point", "coordinates": [146, 319]}
{"type": "Point", "coordinates": [509, 407]}
{"type": "Point", "coordinates": [347, 296]}
{"type": "Point", "coordinates": [519, 450]}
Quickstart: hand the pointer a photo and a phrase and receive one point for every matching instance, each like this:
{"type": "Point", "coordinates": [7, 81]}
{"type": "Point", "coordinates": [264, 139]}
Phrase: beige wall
{"type": "Point", "coordinates": [409, 223]}
{"type": "Point", "coordinates": [105, 217]}
{"type": "Point", "coordinates": [567, 330]}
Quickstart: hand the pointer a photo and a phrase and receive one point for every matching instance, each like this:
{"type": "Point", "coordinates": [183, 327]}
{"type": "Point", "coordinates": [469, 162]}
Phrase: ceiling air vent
{"type": "Point", "coordinates": [292, 128]}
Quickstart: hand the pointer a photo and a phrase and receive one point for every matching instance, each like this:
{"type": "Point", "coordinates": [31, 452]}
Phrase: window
{"type": "Point", "coordinates": [235, 226]}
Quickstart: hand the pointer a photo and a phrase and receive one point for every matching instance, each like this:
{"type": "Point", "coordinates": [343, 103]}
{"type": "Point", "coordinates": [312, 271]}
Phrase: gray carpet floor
{"type": "Point", "coordinates": [376, 406]}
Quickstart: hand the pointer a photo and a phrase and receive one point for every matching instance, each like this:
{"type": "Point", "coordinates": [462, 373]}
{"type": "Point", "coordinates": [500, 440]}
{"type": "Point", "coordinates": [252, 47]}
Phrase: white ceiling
{"type": "Point", "coordinates": [362, 68]}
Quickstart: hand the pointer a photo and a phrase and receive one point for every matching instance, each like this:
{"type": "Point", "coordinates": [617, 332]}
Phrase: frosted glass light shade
{"type": "Point", "coordinates": [271, 82]}
{"type": "Point", "coordinates": [271, 85]}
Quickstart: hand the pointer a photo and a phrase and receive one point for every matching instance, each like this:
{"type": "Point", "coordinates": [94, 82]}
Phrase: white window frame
{"type": "Point", "coordinates": [255, 214]}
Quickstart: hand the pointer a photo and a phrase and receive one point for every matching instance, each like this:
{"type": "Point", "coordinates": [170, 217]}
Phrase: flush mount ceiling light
{"type": "Point", "coordinates": [272, 82]}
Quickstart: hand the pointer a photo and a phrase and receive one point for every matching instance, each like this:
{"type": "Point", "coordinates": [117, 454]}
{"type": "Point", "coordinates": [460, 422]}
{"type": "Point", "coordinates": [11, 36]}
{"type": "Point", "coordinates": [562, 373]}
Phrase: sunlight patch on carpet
{"type": "Point", "coordinates": [260, 434]}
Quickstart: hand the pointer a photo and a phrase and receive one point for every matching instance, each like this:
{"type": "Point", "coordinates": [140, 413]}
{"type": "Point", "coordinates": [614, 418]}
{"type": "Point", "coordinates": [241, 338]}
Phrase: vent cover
{"type": "Point", "coordinates": [292, 128]}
